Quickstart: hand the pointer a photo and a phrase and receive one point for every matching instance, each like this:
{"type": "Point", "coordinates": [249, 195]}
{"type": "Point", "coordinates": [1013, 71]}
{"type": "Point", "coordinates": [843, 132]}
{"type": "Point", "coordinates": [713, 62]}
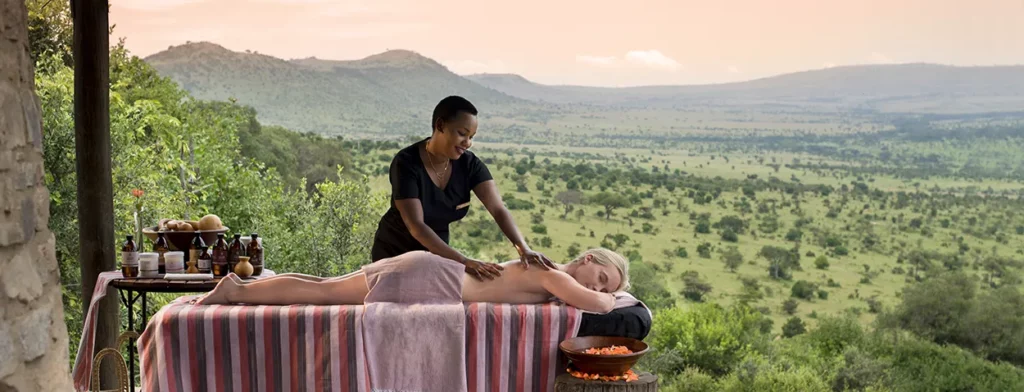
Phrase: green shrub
{"type": "Point", "coordinates": [793, 327]}
{"type": "Point", "coordinates": [821, 262]}
{"type": "Point", "coordinates": [803, 289]}
{"type": "Point", "coordinates": [708, 336]}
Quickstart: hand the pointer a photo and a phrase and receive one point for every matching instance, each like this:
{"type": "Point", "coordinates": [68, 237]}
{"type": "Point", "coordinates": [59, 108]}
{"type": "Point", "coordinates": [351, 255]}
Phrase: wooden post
{"type": "Point", "coordinates": [92, 166]}
{"type": "Point", "coordinates": [567, 383]}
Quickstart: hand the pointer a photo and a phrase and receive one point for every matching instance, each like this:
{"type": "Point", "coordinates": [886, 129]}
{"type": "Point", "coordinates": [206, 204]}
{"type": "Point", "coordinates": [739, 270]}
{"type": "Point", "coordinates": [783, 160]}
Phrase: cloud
{"type": "Point", "coordinates": [732, 69]}
{"type": "Point", "coordinates": [829, 65]}
{"type": "Point", "coordinates": [879, 58]}
{"type": "Point", "coordinates": [634, 59]}
{"type": "Point", "coordinates": [652, 58]}
{"type": "Point", "coordinates": [153, 5]}
{"type": "Point", "coordinates": [469, 67]}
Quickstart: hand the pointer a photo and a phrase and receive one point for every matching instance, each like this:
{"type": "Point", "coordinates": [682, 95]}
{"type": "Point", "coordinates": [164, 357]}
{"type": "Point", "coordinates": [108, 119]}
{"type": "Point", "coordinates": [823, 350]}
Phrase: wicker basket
{"type": "Point", "coordinates": [120, 367]}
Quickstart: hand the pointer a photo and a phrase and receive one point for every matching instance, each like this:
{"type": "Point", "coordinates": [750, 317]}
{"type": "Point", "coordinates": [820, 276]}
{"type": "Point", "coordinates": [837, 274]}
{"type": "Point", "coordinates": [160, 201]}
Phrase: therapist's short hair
{"type": "Point", "coordinates": [448, 109]}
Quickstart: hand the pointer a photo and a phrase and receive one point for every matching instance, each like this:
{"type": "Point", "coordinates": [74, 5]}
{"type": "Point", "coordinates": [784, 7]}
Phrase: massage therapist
{"type": "Point", "coordinates": [431, 182]}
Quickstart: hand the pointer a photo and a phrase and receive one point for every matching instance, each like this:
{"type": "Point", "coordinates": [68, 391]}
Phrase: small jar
{"type": "Point", "coordinates": [174, 262]}
{"type": "Point", "coordinates": [149, 265]}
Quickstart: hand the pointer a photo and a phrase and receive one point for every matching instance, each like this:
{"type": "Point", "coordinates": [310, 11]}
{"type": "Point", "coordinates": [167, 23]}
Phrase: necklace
{"type": "Point", "coordinates": [434, 166]}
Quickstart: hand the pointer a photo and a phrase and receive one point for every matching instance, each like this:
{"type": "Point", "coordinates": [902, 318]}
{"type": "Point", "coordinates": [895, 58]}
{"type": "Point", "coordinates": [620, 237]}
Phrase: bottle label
{"type": "Point", "coordinates": [203, 264]}
{"type": "Point", "coordinates": [130, 259]}
{"type": "Point", "coordinates": [220, 257]}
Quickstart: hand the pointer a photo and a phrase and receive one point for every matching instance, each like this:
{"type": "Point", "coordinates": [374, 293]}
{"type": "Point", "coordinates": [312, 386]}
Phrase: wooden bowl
{"type": "Point", "coordinates": [606, 365]}
{"type": "Point", "coordinates": [180, 240]}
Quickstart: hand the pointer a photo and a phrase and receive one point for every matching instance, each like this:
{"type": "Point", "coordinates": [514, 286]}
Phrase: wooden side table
{"type": "Point", "coordinates": [134, 289]}
{"type": "Point", "coordinates": [567, 383]}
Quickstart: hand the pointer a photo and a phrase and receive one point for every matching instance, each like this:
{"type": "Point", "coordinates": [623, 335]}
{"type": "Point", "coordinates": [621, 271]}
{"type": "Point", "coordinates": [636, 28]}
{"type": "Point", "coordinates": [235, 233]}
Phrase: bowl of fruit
{"type": "Point", "coordinates": [179, 233]}
{"type": "Point", "coordinates": [603, 356]}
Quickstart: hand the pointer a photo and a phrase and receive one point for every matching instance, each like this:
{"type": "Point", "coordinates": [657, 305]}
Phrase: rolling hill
{"type": "Point", "coordinates": [385, 94]}
{"type": "Point", "coordinates": [391, 94]}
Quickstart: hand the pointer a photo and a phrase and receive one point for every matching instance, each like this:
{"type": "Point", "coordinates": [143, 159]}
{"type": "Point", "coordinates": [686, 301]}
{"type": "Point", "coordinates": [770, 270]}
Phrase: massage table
{"type": "Point", "coordinates": [316, 348]}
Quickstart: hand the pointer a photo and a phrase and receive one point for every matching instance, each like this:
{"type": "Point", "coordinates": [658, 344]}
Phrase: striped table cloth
{"type": "Point", "coordinates": [317, 348]}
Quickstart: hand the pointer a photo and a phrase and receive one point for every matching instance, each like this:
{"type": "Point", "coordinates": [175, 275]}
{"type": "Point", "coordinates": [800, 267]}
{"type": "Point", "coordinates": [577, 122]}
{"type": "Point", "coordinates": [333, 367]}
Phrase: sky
{"type": "Point", "coordinates": [595, 42]}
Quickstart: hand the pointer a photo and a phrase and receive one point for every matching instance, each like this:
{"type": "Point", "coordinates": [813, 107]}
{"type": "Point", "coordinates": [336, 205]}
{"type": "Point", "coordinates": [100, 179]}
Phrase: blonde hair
{"type": "Point", "coordinates": [604, 256]}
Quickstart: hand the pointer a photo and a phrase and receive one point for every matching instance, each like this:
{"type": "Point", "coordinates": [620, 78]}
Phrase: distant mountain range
{"type": "Point", "coordinates": [904, 87]}
{"type": "Point", "coordinates": [393, 93]}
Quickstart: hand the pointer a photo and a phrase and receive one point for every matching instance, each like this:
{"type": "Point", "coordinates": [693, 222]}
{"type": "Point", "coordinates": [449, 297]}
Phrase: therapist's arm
{"type": "Point", "coordinates": [412, 214]}
{"type": "Point", "coordinates": [488, 194]}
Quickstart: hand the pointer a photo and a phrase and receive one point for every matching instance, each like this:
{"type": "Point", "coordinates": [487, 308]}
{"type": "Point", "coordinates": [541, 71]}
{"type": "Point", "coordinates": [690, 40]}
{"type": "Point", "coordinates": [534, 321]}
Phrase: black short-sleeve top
{"type": "Point", "coordinates": [441, 207]}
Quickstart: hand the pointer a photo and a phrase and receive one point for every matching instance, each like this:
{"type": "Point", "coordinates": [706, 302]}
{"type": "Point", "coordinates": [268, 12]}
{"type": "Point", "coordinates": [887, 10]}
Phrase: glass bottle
{"type": "Point", "coordinates": [235, 249]}
{"type": "Point", "coordinates": [255, 253]}
{"type": "Point", "coordinates": [193, 249]}
{"type": "Point", "coordinates": [220, 256]}
{"type": "Point", "coordinates": [129, 258]}
{"type": "Point", "coordinates": [205, 261]}
{"type": "Point", "coordinates": [160, 247]}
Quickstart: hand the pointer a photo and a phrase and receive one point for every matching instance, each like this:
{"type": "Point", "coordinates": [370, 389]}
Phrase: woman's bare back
{"type": "Point", "coordinates": [515, 286]}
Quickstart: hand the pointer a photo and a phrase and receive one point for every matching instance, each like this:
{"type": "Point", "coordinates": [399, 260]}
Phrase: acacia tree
{"type": "Point", "coordinates": [569, 199]}
{"type": "Point", "coordinates": [732, 258]}
{"type": "Point", "coordinates": [610, 202]}
{"type": "Point", "coordinates": [780, 261]}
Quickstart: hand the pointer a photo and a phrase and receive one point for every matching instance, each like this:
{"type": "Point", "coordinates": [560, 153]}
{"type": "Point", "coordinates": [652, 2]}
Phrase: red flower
{"type": "Point", "coordinates": [137, 192]}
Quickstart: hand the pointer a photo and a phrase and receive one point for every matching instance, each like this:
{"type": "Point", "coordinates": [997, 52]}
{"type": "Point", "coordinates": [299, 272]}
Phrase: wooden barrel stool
{"type": "Point", "coordinates": [567, 383]}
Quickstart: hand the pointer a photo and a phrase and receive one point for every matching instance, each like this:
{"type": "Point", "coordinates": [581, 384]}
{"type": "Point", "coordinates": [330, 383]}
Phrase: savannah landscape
{"type": "Point", "coordinates": [846, 228]}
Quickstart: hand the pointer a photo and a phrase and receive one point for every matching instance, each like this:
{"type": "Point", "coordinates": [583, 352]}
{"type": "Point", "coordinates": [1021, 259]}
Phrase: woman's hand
{"type": "Point", "coordinates": [483, 271]}
{"type": "Point", "coordinates": [529, 256]}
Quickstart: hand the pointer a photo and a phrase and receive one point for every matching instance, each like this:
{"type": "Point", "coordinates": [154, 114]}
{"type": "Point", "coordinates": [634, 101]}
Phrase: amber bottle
{"type": "Point", "coordinates": [194, 247]}
{"type": "Point", "coordinates": [129, 258]}
{"type": "Point", "coordinates": [235, 249]}
{"type": "Point", "coordinates": [205, 261]}
{"type": "Point", "coordinates": [160, 247]}
{"type": "Point", "coordinates": [255, 253]}
{"type": "Point", "coordinates": [220, 256]}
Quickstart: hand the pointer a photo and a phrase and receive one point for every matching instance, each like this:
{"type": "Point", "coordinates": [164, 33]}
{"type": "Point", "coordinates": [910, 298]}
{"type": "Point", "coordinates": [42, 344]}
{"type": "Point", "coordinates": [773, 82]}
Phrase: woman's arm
{"type": "Point", "coordinates": [567, 289]}
{"type": "Point", "coordinates": [488, 194]}
{"type": "Point", "coordinates": [412, 214]}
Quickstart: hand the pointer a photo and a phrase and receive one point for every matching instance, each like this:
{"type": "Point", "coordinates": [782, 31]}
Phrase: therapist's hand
{"type": "Point", "coordinates": [529, 256]}
{"type": "Point", "coordinates": [483, 271]}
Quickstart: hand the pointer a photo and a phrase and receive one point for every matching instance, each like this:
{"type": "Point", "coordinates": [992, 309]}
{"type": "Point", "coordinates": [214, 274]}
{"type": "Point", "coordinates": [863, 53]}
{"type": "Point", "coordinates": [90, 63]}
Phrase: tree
{"type": "Point", "coordinates": [751, 290]}
{"type": "Point", "coordinates": [732, 258]}
{"type": "Point", "coordinates": [794, 235]}
{"type": "Point", "coordinates": [539, 229]}
{"type": "Point", "coordinates": [610, 202]}
{"type": "Point", "coordinates": [681, 252]}
{"type": "Point", "coordinates": [703, 227]}
{"type": "Point", "coordinates": [574, 250]}
{"type": "Point", "coordinates": [821, 262]}
{"type": "Point", "coordinates": [793, 327]}
{"type": "Point", "coordinates": [648, 287]}
{"type": "Point", "coordinates": [803, 289]}
{"type": "Point", "coordinates": [789, 306]}
{"type": "Point", "coordinates": [729, 236]}
{"type": "Point", "coordinates": [694, 288]}
{"type": "Point", "coordinates": [704, 250]}
{"type": "Point", "coordinates": [732, 222]}
{"type": "Point", "coordinates": [780, 261]}
{"type": "Point", "coordinates": [935, 309]}
{"type": "Point", "coordinates": [569, 199]}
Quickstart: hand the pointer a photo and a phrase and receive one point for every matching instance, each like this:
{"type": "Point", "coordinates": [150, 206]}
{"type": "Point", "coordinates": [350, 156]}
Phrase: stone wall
{"type": "Point", "coordinates": [33, 338]}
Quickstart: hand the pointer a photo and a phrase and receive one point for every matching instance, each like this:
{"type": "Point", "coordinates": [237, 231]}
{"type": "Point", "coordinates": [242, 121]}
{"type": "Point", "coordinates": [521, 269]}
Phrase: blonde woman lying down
{"type": "Point", "coordinates": [585, 283]}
